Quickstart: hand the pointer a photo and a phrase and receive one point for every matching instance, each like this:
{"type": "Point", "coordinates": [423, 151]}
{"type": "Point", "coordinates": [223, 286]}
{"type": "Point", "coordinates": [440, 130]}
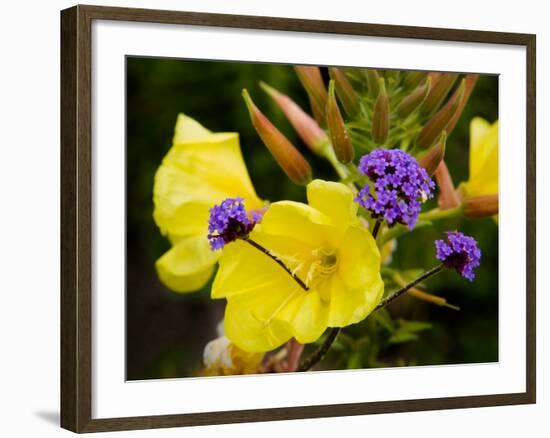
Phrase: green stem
{"type": "Point", "coordinates": [276, 260]}
{"type": "Point", "coordinates": [340, 168]}
{"type": "Point", "coordinates": [318, 354]}
{"type": "Point", "coordinates": [376, 228]}
{"type": "Point", "coordinates": [408, 286]}
{"type": "Point", "coordinates": [399, 230]}
{"type": "Point", "coordinates": [438, 214]}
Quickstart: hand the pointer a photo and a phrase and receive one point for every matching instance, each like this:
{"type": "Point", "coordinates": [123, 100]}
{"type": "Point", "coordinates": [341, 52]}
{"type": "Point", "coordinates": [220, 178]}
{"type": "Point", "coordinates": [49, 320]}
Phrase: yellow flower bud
{"type": "Point", "coordinates": [306, 127]}
{"type": "Point", "coordinates": [345, 91]}
{"type": "Point", "coordinates": [381, 116]}
{"type": "Point", "coordinates": [287, 156]}
{"type": "Point", "coordinates": [339, 134]}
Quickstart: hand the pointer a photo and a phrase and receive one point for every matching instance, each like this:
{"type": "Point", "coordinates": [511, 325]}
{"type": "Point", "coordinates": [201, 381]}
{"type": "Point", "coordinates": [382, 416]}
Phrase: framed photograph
{"type": "Point", "coordinates": [268, 218]}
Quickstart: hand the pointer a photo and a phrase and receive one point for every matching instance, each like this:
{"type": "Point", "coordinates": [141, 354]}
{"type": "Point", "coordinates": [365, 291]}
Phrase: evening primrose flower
{"type": "Point", "coordinates": [483, 178]}
{"type": "Point", "coordinates": [222, 358]}
{"type": "Point", "coordinates": [201, 169]}
{"type": "Point", "coordinates": [321, 243]}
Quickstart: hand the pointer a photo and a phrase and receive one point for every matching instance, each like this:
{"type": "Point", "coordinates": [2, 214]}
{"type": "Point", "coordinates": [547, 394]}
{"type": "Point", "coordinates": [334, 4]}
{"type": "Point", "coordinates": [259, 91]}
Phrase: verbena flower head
{"type": "Point", "coordinates": [399, 184]}
{"type": "Point", "coordinates": [459, 252]}
{"type": "Point", "coordinates": [228, 221]}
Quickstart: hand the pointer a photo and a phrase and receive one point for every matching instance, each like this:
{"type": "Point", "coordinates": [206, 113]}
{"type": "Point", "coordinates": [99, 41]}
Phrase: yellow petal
{"type": "Point", "coordinates": [357, 287]}
{"type": "Point", "coordinates": [333, 199]}
{"type": "Point", "coordinates": [298, 221]}
{"type": "Point", "coordinates": [188, 265]}
{"type": "Point", "coordinates": [196, 174]}
{"type": "Point", "coordinates": [265, 307]}
{"type": "Point", "coordinates": [188, 129]}
{"type": "Point", "coordinates": [483, 158]}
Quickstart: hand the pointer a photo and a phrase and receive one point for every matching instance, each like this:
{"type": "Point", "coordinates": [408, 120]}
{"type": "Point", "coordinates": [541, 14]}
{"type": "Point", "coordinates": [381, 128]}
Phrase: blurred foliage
{"type": "Point", "coordinates": [166, 331]}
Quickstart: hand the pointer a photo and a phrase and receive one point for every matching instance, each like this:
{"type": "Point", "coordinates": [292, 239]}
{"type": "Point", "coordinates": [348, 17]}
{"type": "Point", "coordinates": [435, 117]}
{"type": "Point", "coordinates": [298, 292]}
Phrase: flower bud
{"type": "Point", "coordinates": [373, 82]}
{"type": "Point", "coordinates": [287, 156]}
{"type": "Point", "coordinates": [306, 127]}
{"type": "Point", "coordinates": [441, 85]}
{"type": "Point", "coordinates": [312, 81]}
{"type": "Point", "coordinates": [345, 91]}
{"type": "Point", "coordinates": [480, 206]}
{"type": "Point", "coordinates": [381, 116]}
{"type": "Point", "coordinates": [469, 84]}
{"type": "Point", "coordinates": [448, 197]}
{"type": "Point", "coordinates": [414, 78]}
{"type": "Point", "coordinates": [415, 99]}
{"type": "Point", "coordinates": [431, 160]}
{"type": "Point", "coordinates": [435, 126]}
{"type": "Point", "coordinates": [339, 134]}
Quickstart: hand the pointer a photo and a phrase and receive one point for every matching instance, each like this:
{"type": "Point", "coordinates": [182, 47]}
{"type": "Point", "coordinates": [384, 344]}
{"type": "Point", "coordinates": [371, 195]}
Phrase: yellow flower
{"type": "Point", "coordinates": [325, 246]}
{"type": "Point", "coordinates": [201, 169]}
{"type": "Point", "coordinates": [483, 159]}
{"type": "Point", "coordinates": [222, 358]}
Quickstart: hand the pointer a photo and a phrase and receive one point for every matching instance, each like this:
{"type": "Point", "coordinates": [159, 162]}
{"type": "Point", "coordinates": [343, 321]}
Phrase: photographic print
{"type": "Point", "coordinates": [298, 218]}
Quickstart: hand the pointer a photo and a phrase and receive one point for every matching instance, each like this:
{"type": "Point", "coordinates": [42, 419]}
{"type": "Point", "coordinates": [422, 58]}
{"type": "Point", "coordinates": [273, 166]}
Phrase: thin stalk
{"type": "Point", "coordinates": [276, 260]}
{"type": "Point", "coordinates": [376, 228]}
{"type": "Point", "coordinates": [437, 214]}
{"type": "Point", "coordinates": [318, 354]}
{"type": "Point", "coordinates": [408, 286]}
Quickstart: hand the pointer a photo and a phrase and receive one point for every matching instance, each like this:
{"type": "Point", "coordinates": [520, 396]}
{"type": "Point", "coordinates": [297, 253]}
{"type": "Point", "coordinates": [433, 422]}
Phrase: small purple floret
{"type": "Point", "coordinates": [228, 222]}
{"type": "Point", "coordinates": [459, 252]}
{"type": "Point", "coordinates": [399, 182]}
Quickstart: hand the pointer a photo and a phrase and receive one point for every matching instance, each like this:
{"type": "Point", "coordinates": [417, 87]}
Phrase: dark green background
{"type": "Point", "coordinates": [166, 331]}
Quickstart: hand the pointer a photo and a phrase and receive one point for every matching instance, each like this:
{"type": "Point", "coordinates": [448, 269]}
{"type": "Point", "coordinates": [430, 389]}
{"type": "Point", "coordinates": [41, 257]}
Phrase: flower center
{"type": "Point", "coordinates": [323, 263]}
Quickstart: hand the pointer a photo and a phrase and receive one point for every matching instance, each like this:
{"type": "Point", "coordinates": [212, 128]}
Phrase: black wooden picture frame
{"type": "Point", "coordinates": [76, 217]}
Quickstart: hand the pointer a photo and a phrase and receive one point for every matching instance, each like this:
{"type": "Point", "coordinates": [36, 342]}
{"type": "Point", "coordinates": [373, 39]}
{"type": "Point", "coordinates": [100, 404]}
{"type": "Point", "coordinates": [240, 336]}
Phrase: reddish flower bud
{"type": "Point", "coordinates": [381, 115]}
{"type": "Point", "coordinates": [442, 83]}
{"type": "Point", "coordinates": [414, 78]}
{"type": "Point", "coordinates": [415, 99]}
{"type": "Point", "coordinates": [435, 126]}
{"type": "Point", "coordinates": [287, 156]}
{"type": "Point", "coordinates": [306, 127]}
{"type": "Point", "coordinates": [312, 81]}
{"type": "Point", "coordinates": [469, 84]}
{"type": "Point", "coordinates": [480, 206]}
{"type": "Point", "coordinates": [433, 158]}
{"type": "Point", "coordinates": [448, 197]}
{"type": "Point", "coordinates": [345, 91]}
{"type": "Point", "coordinates": [339, 134]}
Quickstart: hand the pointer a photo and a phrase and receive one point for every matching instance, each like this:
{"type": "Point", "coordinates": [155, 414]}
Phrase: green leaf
{"type": "Point", "coordinates": [413, 326]}
{"type": "Point", "coordinates": [384, 319]}
{"type": "Point", "coordinates": [400, 337]}
{"type": "Point", "coordinates": [355, 360]}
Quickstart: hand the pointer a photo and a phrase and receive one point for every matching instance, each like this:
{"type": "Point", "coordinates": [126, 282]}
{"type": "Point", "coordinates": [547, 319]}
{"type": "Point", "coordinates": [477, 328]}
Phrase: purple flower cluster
{"type": "Point", "coordinates": [459, 252]}
{"type": "Point", "coordinates": [228, 222]}
{"type": "Point", "coordinates": [399, 182]}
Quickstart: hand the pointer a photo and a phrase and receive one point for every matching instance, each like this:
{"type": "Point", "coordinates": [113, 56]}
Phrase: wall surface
{"type": "Point", "coordinates": [29, 231]}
